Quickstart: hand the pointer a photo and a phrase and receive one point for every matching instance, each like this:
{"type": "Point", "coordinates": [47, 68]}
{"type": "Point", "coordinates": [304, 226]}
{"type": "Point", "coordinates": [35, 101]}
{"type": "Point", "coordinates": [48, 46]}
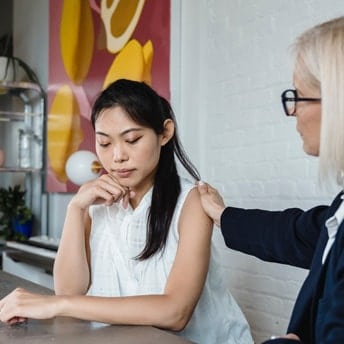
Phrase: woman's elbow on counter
{"type": "Point", "coordinates": [177, 320]}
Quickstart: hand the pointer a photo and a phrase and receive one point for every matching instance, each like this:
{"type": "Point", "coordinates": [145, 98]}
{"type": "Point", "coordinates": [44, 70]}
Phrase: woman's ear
{"type": "Point", "coordinates": [168, 131]}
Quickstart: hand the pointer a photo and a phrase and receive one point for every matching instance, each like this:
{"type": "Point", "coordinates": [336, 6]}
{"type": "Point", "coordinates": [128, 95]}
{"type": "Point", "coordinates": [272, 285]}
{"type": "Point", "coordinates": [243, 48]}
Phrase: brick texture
{"type": "Point", "coordinates": [230, 63]}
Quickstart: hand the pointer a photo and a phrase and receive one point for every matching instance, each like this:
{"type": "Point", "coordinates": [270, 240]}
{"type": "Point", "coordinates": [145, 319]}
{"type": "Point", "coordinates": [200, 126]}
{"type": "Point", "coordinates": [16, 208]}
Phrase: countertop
{"type": "Point", "coordinates": [63, 330]}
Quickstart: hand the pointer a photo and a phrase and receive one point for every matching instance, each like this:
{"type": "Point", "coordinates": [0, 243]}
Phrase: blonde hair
{"type": "Point", "coordinates": [319, 63]}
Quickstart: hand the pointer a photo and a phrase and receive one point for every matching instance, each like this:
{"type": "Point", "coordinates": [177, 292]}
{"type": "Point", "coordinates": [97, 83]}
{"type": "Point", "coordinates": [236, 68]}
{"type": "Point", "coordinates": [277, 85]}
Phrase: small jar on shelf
{"type": "Point", "coordinates": [24, 148]}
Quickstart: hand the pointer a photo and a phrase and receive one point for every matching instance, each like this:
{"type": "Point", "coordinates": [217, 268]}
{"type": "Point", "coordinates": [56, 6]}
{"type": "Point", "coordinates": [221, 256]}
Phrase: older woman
{"type": "Point", "coordinates": [312, 239]}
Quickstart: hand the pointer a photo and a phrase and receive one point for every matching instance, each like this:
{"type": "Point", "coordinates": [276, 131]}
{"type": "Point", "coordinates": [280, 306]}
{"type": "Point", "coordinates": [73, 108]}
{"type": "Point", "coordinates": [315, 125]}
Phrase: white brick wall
{"type": "Point", "coordinates": [230, 62]}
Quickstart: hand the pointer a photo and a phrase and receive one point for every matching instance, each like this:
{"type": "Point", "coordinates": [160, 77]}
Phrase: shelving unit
{"type": "Point", "coordinates": [22, 109]}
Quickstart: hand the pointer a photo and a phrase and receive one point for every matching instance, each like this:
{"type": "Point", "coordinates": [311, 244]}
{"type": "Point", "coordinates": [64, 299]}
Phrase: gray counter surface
{"type": "Point", "coordinates": [71, 331]}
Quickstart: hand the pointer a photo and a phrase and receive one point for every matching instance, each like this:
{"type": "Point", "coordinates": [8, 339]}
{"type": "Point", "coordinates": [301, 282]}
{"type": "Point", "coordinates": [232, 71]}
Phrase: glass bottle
{"type": "Point", "coordinates": [24, 148]}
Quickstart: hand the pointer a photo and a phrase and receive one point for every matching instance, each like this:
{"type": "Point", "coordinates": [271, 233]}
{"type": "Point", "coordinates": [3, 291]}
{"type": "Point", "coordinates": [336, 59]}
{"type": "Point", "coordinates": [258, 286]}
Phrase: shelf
{"type": "Point", "coordinates": [22, 132]}
{"type": "Point", "coordinates": [9, 116]}
{"type": "Point", "coordinates": [20, 169]}
{"type": "Point", "coordinates": [15, 88]}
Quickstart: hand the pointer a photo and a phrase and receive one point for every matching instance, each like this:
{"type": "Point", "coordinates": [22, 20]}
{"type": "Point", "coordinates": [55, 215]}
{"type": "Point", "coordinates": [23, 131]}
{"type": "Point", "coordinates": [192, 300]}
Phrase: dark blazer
{"type": "Point", "coordinates": [297, 238]}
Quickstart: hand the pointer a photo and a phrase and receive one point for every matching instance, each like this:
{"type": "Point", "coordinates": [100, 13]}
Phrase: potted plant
{"type": "Point", "coordinates": [15, 217]}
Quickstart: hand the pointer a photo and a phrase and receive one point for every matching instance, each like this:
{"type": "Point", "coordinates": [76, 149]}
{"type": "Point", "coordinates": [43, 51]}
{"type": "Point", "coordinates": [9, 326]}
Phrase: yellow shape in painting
{"type": "Point", "coordinates": [120, 18]}
{"type": "Point", "coordinates": [133, 62]}
{"type": "Point", "coordinates": [64, 130]}
{"type": "Point", "coordinates": [76, 39]}
{"type": "Point", "coordinates": [148, 53]}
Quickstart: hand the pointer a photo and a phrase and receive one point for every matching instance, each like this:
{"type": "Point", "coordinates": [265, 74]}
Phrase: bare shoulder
{"type": "Point", "coordinates": [193, 199]}
{"type": "Point", "coordinates": [193, 214]}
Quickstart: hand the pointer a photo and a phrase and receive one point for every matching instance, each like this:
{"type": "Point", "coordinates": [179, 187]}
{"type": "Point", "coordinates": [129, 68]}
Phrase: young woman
{"type": "Point", "coordinates": [312, 239]}
{"type": "Point", "coordinates": [136, 244]}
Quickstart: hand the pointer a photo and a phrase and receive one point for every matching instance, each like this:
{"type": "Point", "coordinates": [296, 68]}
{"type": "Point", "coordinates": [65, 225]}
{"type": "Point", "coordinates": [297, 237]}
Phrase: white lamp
{"type": "Point", "coordinates": [82, 166]}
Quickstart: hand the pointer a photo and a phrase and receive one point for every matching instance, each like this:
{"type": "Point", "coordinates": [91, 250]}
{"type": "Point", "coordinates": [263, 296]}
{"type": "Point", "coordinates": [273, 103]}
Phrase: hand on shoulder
{"type": "Point", "coordinates": [212, 202]}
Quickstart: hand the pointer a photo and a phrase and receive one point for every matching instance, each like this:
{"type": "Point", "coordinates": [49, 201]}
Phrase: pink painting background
{"type": "Point", "coordinates": [154, 25]}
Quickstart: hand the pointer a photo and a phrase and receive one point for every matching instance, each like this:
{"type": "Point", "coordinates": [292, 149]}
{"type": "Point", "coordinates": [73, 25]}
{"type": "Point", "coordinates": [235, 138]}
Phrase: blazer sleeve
{"type": "Point", "coordinates": [282, 341]}
{"type": "Point", "coordinates": [287, 237]}
{"type": "Point", "coordinates": [331, 306]}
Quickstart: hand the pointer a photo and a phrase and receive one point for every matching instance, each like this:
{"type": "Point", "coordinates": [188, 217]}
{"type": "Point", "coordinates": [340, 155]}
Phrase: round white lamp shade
{"type": "Point", "coordinates": [82, 166]}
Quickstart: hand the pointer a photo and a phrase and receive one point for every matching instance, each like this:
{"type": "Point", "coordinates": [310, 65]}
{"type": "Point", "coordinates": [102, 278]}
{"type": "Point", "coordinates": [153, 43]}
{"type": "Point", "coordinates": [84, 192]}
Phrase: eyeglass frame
{"type": "Point", "coordinates": [295, 99]}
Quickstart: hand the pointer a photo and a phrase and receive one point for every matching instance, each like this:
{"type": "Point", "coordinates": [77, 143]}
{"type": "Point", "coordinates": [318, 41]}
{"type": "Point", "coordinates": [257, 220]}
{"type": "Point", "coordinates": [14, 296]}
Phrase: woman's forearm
{"type": "Point", "coordinates": [162, 311]}
{"type": "Point", "coordinates": [71, 271]}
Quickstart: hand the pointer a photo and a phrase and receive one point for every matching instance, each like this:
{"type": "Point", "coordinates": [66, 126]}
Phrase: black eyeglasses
{"type": "Point", "coordinates": [289, 100]}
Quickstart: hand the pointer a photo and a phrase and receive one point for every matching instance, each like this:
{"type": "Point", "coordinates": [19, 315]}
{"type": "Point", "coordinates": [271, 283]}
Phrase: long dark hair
{"type": "Point", "coordinates": [147, 108]}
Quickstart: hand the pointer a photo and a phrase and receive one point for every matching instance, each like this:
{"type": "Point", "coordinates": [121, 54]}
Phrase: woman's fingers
{"type": "Point", "coordinates": [104, 190]}
{"type": "Point", "coordinates": [21, 304]}
{"type": "Point", "coordinates": [115, 191]}
{"type": "Point", "coordinates": [212, 202]}
{"type": "Point", "coordinates": [16, 320]}
{"type": "Point", "coordinates": [113, 186]}
{"type": "Point", "coordinates": [7, 304]}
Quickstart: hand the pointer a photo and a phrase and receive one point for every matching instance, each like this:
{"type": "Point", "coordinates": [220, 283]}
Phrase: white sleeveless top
{"type": "Point", "coordinates": [118, 235]}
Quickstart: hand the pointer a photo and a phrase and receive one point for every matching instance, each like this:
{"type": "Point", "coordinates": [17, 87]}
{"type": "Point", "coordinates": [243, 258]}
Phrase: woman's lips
{"type": "Point", "coordinates": [123, 173]}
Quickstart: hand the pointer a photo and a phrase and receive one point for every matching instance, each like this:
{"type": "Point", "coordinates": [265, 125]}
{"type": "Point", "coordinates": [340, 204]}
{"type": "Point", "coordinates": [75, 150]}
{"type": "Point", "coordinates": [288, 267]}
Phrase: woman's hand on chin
{"type": "Point", "coordinates": [103, 190]}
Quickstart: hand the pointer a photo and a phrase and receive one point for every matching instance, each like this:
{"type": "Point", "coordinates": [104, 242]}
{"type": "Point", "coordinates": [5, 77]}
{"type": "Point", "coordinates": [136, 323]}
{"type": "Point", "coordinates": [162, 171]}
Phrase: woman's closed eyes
{"type": "Point", "coordinates": [131, 141]}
